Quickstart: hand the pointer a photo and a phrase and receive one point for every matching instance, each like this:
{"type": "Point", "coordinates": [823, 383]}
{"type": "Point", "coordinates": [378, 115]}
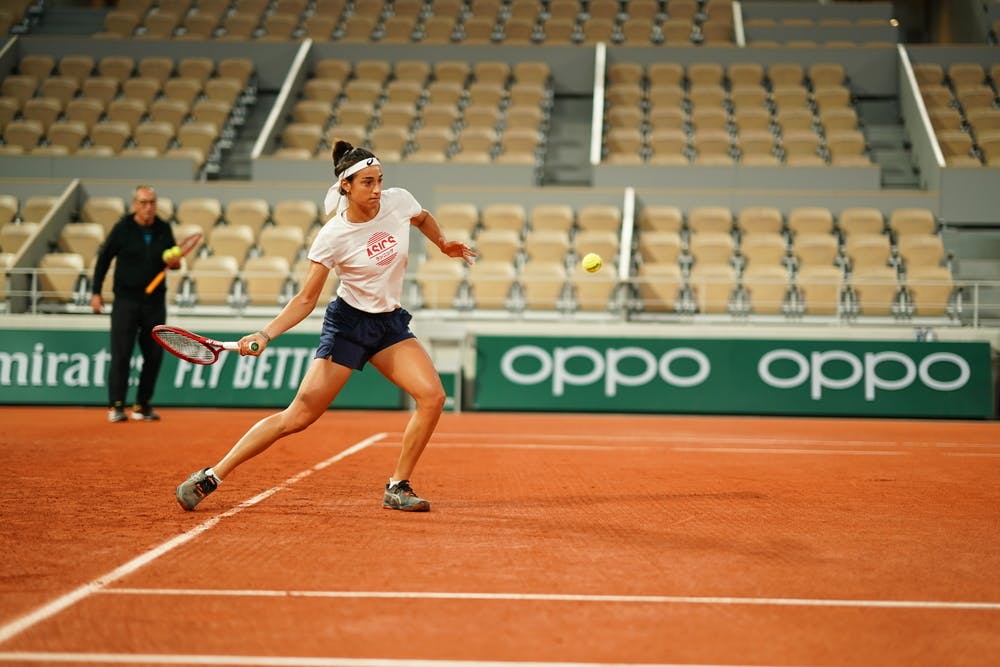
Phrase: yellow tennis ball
{"type": "Point", "coordinates": [171, 253]}
{"type": "Point", "coordinates": [591, 262]}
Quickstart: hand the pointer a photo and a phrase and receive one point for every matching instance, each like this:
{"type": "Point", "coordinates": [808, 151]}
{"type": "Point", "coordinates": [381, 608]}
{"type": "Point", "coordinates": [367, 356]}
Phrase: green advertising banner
{"type": "Point", "coordinates": [750, 376]}
{"type": "Point", "coordinates": [58, 367]}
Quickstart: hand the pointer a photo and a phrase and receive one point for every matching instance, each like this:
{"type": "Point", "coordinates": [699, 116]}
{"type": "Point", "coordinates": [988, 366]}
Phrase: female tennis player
{"type": "Point", "coordinates": [366, 242]}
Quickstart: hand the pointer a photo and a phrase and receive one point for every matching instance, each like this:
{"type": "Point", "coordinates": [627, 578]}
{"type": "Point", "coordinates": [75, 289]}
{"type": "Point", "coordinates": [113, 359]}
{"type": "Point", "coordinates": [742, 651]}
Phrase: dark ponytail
{"type": "Point", "coordinates": [345, 154]}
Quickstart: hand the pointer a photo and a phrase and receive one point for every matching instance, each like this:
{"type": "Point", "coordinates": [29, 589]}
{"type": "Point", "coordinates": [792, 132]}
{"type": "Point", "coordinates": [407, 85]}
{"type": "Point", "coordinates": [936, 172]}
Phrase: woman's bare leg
{"type": "Point", "coordinates": [407, 365]}
{"type": "Point", "coordinates": [322, 383]}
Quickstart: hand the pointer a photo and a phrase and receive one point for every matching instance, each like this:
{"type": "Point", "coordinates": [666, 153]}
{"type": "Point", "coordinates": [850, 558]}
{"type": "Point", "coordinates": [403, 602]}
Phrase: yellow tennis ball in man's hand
{"type": "Point", "coordinates": [591, 262]}
{"type": "Point", "coordinates": [171, 253]}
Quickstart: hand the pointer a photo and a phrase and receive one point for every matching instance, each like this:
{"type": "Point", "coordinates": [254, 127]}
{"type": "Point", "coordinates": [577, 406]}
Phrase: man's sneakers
{"type": "Point", "coordinates": [144, 413]}
{"type": "Point", "coordinates": [400, 496]}
{"type": "Point", "coordinates": [191, 491]}
{"type": "Point", "coordinates": [117, 414]}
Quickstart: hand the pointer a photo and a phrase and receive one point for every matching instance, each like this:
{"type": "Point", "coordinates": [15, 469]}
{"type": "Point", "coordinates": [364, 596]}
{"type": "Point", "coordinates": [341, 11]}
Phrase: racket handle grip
{"type": "Point", "coordinates": [155, 282]}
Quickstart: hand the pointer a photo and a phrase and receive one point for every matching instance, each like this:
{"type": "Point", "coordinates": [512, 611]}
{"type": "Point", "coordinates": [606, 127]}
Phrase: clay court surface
{"type": "Point", "coordinates": [552, 540]}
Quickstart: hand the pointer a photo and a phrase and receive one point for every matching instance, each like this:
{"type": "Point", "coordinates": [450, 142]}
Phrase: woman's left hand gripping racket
{"type": "Point", "coordinates": [189, 346]}
{"type": "Point", "coordinates": [187, 245]}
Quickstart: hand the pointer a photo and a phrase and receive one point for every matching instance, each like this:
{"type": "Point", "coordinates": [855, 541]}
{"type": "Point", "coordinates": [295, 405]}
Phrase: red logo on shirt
{"type": "Point", "coordinates": [382, 248]}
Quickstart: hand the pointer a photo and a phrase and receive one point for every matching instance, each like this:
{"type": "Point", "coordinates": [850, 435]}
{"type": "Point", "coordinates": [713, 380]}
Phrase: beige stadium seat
{"type": "Point", "coordinates": [155, 135]}
{"type": "Point", "coordinates": [781, 74]}
{"type": "Point", "coordinates": [169, 111]}
{"type": "Point", "coordinates": [504, 216]}
{"type": "Point", "coordinates": [302, 135]}
{"type": "Point", "coordinates": [457, 217]}
{"type": "Point", "coordinates": [660, 246]}
{"type": "Point", "coordinates": [928, 73]}
{"type": "Point", "coordinates": [14, 235]}
{"type": "Point", "coordinates": [9, 108]}
{"type": "Point", "coordinates": [599, 217]}
{"type": "Point", "coordinates": [876, 288]}
{"type": "Point", "coordinates": [160, 68]}
{"type": "Point", "coordinates": [9, 207]}
{"type": "Point", "coordinates": [810, 220]}
{"type": "Point", "coordinates": [659, 286]}
{"type": "Point", "coordinates": [37, 207]}
{"type": "Point", "coordinates": [265, 279]}
{"type": "Point", "coordinates": [919, 250]}
{"type": "Point", "coordinates": [906, 221]}
{"type": "Point", "coordinates": [930, 289]}
{"type": "Point", "coordinates": [285, 241]}
{"type": "Point", "coordinates": [103, 88]}
{"type": "Point", "coordinates": [767, 287]}
{"type": "Point", "coordinates": [542, 284]}
{"type": "Point", "coordinates": [19, 86]}
{"type": "Point", "coordinates": [76, 66]}
{"type": "Point", "coordinates": [439, 281]}
{"type": "Point", "coordinates": [498, 245]}
{"type": "Point", "coordinates": [59, 273]}
{"type": "Point", "coordinates": [313, 111]}
{"type": "Point", "coordinates": [236, 68]}
{"type": "Point", "coordinates": [593, 292]}
{"type": "Point", "coordinates": [860, 220]}
{"type": "Point", "coordinates": [816, 249]}
{"type": "Point", "coordinates": [84, 110]}
{"type": "Point", "coordinates": [45, 110]}
{"type": "Point", "coordinates": [708, 248]}
{"type": "Point", "coordinates": [558, 217]}
{"type": "Point", "coordinates": [129, 111]}
{"type": "Point", "coordinates": [599, 241]}
{"type": "Point", "coordinates": [253, 212]}
{"type": "Point", "coordinates": [548, 245]}
{"type": "Point", "coordinates": [118, 67]}
{"type": "Point", "coordinates": [661, 218]}
{"type": "Point", "coordinates": [82, 238]}
{"type": "Point", "coordinates": [490, 283]}
{"type": "Point", "coordinates": [713, 287]}
{"type": "Point", "coordinates": [764, 248]}
{"type": "Point", "coordinates": [213, 112]}
{"type": "Point", "coordinates": [868, 250]}
{"type": "Point", "coordinates": [299, 213]}
{"type": "Point", "coordinates": [23, 133]}
{"type": "Point", "coordinates": [232, 240]}
{"type": "Point", "coordinates": [821, 288]}
{"type": "Point", "coordinates": [745, 74]}
{"type": "Point", "coordinates": [202, 211]}
{"type": "Point", "coordinates": [713, 219]}
{"type": "Point", "coordinates": [185, 89]}
{"type": "Point", "coordinates": [143, 88]}
{"type": "Point", "coordinates": [213, 279]}
{"type": "Point", "coordinates": [759, 219]}
{"type": "Point", "coordinates": [39, 66]}
{"type": "Point", "coordinates": [68, 134]}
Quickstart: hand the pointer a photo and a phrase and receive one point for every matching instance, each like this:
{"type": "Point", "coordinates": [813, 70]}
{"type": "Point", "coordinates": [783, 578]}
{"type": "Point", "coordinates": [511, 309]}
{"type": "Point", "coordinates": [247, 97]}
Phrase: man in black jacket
{"type": "Point", "coordinates": [143, 244]}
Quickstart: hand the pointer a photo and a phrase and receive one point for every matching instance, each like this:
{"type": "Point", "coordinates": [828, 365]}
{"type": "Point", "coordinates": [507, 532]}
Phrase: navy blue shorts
{"type": "Point", "coordinates": [350, 336]}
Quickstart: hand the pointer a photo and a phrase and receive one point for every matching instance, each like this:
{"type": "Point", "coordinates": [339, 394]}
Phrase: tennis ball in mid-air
{"type": "Point", "coordinates": [171, 253]}
{"type": "Point", "coordinates": [591, 262]}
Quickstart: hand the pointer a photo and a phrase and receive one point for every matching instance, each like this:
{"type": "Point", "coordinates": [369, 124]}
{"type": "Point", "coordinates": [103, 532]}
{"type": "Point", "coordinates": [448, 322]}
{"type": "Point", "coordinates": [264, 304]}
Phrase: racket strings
{"type": "Point", "coordinates": [183, 346]}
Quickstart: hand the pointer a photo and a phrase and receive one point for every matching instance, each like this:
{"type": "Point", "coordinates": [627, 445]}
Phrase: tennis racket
{"type": "Point", "coordinates": [189, 346]}
{"type": "Point", "coordinates": [186, 246]}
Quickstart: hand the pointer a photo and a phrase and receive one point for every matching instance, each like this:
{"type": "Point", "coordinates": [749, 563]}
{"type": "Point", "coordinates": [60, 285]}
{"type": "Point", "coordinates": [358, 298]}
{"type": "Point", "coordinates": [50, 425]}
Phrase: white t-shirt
{"type": "Point", "coordinates": [370, 257]}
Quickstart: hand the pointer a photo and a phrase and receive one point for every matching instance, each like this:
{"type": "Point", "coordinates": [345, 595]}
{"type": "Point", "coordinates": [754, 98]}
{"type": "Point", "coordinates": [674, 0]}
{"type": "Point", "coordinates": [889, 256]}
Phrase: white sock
{"type": "Point", "coordinates": [394, 482]}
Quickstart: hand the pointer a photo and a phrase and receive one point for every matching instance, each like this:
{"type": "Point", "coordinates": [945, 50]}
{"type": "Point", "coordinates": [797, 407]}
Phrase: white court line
{"type": "Point", "coordinates": [295, 661]}
{"type": "Point", "coordinates": [62, 602]}
{"type": "Point", "coordinates": [642, 448]}
{"type": "Point", "coordinates": [555, 597]}
{"type": "Point", "coordinates": [773, 450]}
{"type": "Point", "coordinates": [673, 438]}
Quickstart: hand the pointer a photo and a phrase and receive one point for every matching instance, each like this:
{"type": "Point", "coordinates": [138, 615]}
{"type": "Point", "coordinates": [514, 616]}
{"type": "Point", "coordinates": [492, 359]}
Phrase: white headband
{"type": "Point", "coordinates": [358, 166]}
